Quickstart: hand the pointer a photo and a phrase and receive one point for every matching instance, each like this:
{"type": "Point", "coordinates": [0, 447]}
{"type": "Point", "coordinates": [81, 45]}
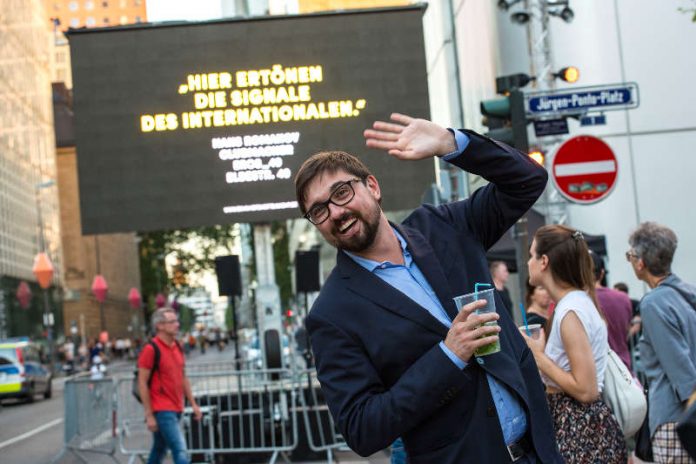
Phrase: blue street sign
{"type": "Point", "coordinates": [583, 99]}
{"type": "Point", "coordinates": [593, 120]}
{"type": "Point", "coordinates": [544, 127]}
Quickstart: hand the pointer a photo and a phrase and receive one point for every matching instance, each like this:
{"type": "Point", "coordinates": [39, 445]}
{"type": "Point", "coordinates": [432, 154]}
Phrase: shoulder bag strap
{"type": "Point", "coordinates": [155, 364]}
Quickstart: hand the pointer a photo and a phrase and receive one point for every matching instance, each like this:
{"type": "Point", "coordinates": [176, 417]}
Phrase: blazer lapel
{"type": "Point", "coordinates": [368, 285]}
{"type": "Point", "coordinates": [431, 267]}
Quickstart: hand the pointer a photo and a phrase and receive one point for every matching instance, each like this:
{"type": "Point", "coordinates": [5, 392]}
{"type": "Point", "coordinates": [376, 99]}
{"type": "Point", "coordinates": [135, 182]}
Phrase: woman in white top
{"type": "Point", "coordinates": [573, 361]}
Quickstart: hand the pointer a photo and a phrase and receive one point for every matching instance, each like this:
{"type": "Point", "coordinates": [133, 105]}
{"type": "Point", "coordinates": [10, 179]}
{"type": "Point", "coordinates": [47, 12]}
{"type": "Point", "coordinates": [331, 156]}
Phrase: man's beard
{"type": "Point", "coordinates": [362, 241]}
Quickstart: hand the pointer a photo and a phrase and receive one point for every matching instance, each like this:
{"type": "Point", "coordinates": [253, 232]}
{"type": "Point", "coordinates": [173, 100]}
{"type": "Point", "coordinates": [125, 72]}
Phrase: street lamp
{"type": "Point", "coordinates": [43, 269]}
{"type": "Point", "coordinates": [558, 8]}
{"type": "Point", "coordinates": [100, 289]}
{"type": "Point", "coordinates": [136, 302]}
{"type": "Point", "coordinates": [24, 295]}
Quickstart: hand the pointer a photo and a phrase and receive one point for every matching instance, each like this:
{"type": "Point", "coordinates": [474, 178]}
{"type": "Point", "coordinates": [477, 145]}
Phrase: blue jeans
{"type": "Point", "coordinates": [398, 452]}
{"type": "Point", "coordinates": [168, 435]}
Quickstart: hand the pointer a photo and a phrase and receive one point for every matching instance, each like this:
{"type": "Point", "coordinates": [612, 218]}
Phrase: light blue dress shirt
{"type": "Point", "coordinates": [410, 281]}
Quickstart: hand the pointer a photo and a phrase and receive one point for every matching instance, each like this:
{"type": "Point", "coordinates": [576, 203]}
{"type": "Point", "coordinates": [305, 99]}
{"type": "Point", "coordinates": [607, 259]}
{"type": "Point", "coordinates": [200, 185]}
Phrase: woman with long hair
{"type": "Point", "coordinates": [573, 360]}
{"type": "Point", "coordinates": [537, 302]}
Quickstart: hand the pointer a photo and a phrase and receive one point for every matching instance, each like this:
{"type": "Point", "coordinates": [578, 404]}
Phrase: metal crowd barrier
{"type": "Point", "coordinates": [244, 412]}
{"type": "Point", "coordinates": [322, 433]}
{"type": "Point", "coordinates": [252, 411]}
{"type": "Point", "coordinates": [134, 439]}
{"type": "Point", "coordinates": [89, 418]}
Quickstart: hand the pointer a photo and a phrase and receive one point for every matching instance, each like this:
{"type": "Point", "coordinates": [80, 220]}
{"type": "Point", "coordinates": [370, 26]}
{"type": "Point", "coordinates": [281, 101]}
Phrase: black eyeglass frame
{"type": "Point", "coordinates": [325, 204]}
{"type": "Point", "coordinates": [631, 254]}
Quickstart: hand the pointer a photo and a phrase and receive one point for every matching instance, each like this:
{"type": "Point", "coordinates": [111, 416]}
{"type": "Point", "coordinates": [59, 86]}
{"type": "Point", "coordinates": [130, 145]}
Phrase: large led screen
{"type": "Point", "coordinates": [192, 124]}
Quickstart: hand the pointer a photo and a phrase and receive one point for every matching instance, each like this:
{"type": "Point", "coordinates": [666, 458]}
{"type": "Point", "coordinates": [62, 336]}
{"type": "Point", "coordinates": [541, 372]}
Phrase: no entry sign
{"type": "Point", "coordinates": [584, 169]}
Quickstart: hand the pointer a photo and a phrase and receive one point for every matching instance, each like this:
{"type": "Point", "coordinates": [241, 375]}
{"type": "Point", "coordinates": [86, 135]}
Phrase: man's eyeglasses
{"type": "Point", "coordinates": [341, 195]}
{"type": "Point", "coordinates": [630, 254]}
{"type": "Point", "coordinates": [171, 321]}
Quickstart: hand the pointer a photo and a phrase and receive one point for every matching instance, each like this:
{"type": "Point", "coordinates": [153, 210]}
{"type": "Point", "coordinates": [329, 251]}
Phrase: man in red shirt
{"type": "Point", "coordinates": [163, 398]}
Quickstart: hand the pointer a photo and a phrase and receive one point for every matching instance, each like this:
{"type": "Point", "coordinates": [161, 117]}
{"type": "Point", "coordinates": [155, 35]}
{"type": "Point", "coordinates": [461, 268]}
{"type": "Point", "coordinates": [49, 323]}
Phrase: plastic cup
{"type": "Point", "coordinates": [534, 330]}
{"type": "Point", "coordinates": [489, 296]}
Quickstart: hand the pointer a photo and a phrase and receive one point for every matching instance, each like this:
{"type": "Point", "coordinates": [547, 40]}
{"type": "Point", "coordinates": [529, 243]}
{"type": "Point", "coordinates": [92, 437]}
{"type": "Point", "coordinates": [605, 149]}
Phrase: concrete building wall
{"type": "Point", "coordinates": [96, 13]}
{"type": "Point", "coordinates": [651, 45]}
{"type": "Point", "coordinates": [27, 211]}
{"type": "Point", "coordinates": [611, 42]}
{"type": "Point", "coordinates": [115, 256]}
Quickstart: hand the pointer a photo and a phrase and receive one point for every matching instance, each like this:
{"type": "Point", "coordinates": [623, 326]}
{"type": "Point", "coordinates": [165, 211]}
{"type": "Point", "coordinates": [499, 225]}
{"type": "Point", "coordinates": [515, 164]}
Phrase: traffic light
{"type": "Point", "coordinates": [537, 155]}
{"type": "Point", "coordinates": [506, 120]}
{"type": "Point", "coordinates": [570, 74]}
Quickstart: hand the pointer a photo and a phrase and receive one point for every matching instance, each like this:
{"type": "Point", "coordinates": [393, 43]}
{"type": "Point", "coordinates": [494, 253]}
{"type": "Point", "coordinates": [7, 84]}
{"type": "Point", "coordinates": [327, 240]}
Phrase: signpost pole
{"type": "Point", "coordinates": [541, 63]}
{"type": "Point", "coordinates": [267, 292]}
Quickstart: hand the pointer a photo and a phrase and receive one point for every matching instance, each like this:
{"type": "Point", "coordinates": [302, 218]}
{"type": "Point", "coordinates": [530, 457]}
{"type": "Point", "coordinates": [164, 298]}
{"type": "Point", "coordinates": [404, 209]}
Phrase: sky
{"type": "Point", "coordinates": [187, 10]}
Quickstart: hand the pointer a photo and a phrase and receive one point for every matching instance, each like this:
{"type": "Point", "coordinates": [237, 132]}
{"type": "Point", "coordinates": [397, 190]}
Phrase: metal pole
{"type": "Point", "coordinates": [234, 332]}
{"type": "Point", "coordinates": [541, 66]}
{"type": "Point", "coordinates": [49, 328]}
{"type": "Point", "coordinates": [307, 351]}
{"type": "Point", "coordinates": [48, 319]}
{"type": "Point", "coordinates": [521, 234]}
{"type": "Point", "coordinates": [102, 322]}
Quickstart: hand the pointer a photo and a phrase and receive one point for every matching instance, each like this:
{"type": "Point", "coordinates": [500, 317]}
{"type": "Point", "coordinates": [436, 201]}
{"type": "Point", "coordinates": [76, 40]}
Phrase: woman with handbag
{"type": "Point", "coordinates": [668, 345]}
{"type": "Point", "coordinates": [573, 361]}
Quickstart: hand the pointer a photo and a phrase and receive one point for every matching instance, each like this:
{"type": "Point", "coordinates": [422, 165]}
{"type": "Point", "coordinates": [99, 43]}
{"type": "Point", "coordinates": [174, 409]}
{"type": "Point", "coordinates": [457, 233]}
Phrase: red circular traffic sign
{"type": "Point", "coordinates": [584, 169]}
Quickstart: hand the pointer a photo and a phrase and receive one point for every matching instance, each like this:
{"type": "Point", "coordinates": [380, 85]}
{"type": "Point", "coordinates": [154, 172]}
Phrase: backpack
{"type": "Point", "coordinates": [135, 390]}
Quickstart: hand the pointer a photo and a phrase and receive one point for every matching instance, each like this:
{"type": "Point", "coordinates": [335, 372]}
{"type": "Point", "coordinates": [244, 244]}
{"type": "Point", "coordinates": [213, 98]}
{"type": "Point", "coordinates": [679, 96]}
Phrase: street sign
{"type": "Point", "coordinates": [584, 169]}
{"type": "Point", "coordinates": [593, 120]}
{"type": "Point", "coordinates": [544, 127]}
{"type": "Point", "coordinates": [582, 99]}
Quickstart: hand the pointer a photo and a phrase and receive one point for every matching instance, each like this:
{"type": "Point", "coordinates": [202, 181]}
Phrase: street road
{"type": "Point", "coordinates": [33, 433]}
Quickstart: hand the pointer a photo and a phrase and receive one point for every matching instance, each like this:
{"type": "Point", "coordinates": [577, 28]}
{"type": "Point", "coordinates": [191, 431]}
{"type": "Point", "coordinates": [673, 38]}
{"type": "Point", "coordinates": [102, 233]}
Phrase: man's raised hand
{"type": "Point", "coordinates": [410, 138]}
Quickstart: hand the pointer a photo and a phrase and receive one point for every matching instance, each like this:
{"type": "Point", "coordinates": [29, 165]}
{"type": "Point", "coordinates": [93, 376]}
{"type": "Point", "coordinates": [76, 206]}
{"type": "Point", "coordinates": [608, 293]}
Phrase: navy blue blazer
{"type": "Point", "coordinates": [378, 360]}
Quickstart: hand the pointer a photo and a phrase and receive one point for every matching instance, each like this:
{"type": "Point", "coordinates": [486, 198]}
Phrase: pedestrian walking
{"type": "Point", "coordinates": [668, 345]}
{"type": "Point", "coordinates": [98, 369]}
{"type": "Point", "coordinates": [500, 275]}
{"type": "Point", "coordinates": [573, 361]}
{"type": "Point", "coordinates": [162, 392]}
{"type": "Point", "coordinates": [394, 355]}
{"type": "Point", "coordinates": [617, 310]}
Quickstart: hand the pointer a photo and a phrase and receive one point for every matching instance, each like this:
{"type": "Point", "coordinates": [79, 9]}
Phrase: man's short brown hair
{"type": "Point", "coordinates": [326, 161]}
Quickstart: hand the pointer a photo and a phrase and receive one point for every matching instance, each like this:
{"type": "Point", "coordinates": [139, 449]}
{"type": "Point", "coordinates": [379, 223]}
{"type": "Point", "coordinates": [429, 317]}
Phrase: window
{"type": "Point", "coordinates": [74, 22]}
{"type": "Point", "coordinates": [106, 20]}
{"type": "Point", "coordinates": [73, 6]}
{"type": "Point", "coordinates": [90, 21]}
{"type": "Point", "coordinates": [105, 4]}
{"type": "Point", "coordinates": [124, 19]}
{"type": "Point", "coordinates": [89, 5]}
{"type": "Point", "coordinates": [138, 20]}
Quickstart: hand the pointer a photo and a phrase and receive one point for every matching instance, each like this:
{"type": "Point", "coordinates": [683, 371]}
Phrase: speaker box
{"type": "Point", "coordinates": [307, 271]}
{"type": "Point", "coordinates": [228, 275]}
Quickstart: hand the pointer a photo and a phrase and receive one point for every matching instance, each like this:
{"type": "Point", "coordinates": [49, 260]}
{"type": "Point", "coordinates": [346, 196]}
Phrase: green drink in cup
{"type": "Point", "coordinates": [489, 296]}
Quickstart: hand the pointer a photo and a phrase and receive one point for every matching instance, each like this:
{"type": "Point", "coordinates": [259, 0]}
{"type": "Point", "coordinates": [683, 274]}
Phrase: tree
{"type": "Point", "coordinates": [281, 261]}
{"type": "Point", "coordinates": [691, 11]}
{"type": "Point", "coordinates": [155, 246]}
